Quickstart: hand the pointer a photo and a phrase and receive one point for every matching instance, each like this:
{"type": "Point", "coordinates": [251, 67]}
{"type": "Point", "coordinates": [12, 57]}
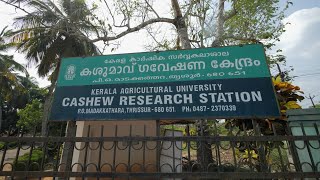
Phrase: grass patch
{"type": "Point", "coordinates": [10, 145]}
{"type": "Point", "coordinates": [35, 161]}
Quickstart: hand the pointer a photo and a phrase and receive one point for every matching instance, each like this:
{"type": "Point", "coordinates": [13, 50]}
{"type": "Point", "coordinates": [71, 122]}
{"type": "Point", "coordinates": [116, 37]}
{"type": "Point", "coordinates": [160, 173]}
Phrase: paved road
{"type": "Point", "coordinates": [10, 156]}
{"type": "Point", "coordinates": [11, 153]}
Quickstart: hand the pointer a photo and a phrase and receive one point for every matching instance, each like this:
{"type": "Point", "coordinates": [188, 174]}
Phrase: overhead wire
{"type": "Point", "coordinates": [307, 74]}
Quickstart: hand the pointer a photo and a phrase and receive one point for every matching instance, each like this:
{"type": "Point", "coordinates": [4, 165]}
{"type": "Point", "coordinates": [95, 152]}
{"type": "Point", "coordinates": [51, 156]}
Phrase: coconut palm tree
{"type": "Point", "coordinates": [53, 31]}
{"type": "Point", "coordinates": [9, 76]}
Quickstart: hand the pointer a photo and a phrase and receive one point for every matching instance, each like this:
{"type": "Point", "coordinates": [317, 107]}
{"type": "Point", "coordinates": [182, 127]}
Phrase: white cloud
{"type": "Point", "coordinates": [302, 27]}
{"type": "Point", "coordinates": [301, 45]}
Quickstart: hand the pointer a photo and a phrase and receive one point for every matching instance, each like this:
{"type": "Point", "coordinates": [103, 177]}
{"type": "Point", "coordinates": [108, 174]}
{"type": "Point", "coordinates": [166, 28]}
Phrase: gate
{"type": "Point", "coordinates": [205, 149]}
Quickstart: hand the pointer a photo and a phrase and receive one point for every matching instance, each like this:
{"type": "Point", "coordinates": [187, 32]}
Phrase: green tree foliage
{"type": "Point", "coordinates": [10, 80]}
{"type": "Point", "coordinates": [253, 21]}
{"type": "Point", "coordinates": [51, 31]}
{"type": "Point", "coordinates": [34, 159]}
{"type": "Point", "coordinates": [31, 116]}
{"type": "Point", "coordinates": [19, 97]}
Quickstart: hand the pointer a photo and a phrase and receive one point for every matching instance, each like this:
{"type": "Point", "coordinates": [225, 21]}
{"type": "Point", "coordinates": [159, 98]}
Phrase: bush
{"type": "Point", "coordinates": [53, 149]}
{"type": "Point", "coordinates": [35, 161]}
{"type": "Point", "coordinates": [12, 144]}
{"type": "Point", "coordinates": [2, 145]}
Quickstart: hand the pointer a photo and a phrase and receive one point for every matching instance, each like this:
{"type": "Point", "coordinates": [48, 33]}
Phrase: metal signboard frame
{"type": "Point", "coordinates": [225, 82]}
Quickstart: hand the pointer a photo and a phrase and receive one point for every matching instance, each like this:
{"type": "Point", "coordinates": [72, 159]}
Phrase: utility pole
{"type": "Point", "coordinates": [311, 99]}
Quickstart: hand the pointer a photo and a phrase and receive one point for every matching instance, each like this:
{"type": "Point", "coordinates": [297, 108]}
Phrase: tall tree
{"type": "Point", "coordinates": [9, 77]}
{"type": "Point", "coordinates": [21, 97]}
{"type": "Point", "coordinates": [51, 31]}
{"type": "Point", "coordinates": [31, 116]}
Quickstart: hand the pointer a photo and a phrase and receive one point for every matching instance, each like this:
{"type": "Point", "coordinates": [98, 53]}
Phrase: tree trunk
{"type": "Point", "coordinates": [181, 26]}
{"type": "Point", "coordinates": [46, 109]}
{"type": "Point", "coordinates": [204, 154]}
{"type": "Point", "coordinates": [0, 115]}
{"type": "Point", "coordinates": [220, 22]}
{"type": "Point", "coordinates": [68, 148]}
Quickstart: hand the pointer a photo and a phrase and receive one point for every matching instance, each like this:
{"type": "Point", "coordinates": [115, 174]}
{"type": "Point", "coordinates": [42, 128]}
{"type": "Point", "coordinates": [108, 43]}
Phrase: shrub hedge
{"type": "Point", "coordinates": [35, 161]}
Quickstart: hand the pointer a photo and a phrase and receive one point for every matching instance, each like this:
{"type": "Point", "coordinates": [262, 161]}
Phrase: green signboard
{"type": "Point", "coordinates": [226, 82]}
{"type": "Point", "coordinates": [246, 61]}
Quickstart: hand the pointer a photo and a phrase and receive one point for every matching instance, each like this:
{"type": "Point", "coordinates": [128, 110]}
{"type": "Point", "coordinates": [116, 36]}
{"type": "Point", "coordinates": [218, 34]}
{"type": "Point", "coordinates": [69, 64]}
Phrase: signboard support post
{"type": "Point", "coordinates": [261, 148]}
{"type": "Point", "coordinates": [189, 149]}
{"type": "Point", "coordinates": [67, 152]}
{"type": "Point", "coordinates": [158, 146]}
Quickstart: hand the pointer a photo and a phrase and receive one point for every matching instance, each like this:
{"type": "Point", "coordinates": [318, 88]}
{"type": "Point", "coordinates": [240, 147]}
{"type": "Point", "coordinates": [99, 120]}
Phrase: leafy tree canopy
{"type": "Point", "coordinates": [9, 68]}
{"type": "Point", "coordinates": [31, 116]}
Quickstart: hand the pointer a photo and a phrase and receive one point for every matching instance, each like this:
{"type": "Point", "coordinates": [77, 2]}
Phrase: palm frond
{"type": "Point", "coordinates": [8, 62]}
{"type": "Point", "coordinates": [3, 31]}
{"type": "Point", "coordinates": [53, 31]}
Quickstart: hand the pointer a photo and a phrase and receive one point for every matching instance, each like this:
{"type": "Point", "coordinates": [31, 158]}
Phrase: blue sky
{"type": "Point", "coordinates": [300, 4]}
{"type": "Point", "coordinates": [300, 44]}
